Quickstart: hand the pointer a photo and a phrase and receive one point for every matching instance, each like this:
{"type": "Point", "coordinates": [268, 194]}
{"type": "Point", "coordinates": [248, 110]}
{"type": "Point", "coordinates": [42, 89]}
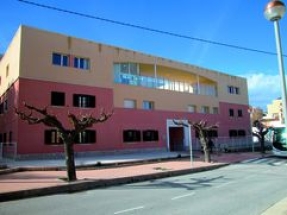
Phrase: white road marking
{"type": "Point", "coordinates": [183, 196]}
{"type": "Point", "coordinates": [278, 163]}
{"type": "Point", "coordinates": [129, 210]}
{"type": "Point", "coordinates": [224, 184]}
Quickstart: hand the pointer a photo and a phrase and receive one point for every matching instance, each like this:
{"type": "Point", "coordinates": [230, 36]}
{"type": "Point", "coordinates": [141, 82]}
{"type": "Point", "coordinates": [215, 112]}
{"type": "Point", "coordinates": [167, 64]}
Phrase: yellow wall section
{"type": "Point", "coordinates": [36, 54]}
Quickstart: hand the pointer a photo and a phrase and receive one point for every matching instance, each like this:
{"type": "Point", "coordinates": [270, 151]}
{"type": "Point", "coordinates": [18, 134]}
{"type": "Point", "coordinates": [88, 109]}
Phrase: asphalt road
{"type": "Point", "coordinates": [241, 189]}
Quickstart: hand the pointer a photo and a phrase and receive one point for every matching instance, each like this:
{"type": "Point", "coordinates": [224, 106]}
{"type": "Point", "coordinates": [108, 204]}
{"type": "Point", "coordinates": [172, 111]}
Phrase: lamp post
{"type": "Point", "coordinates": [274, 11]}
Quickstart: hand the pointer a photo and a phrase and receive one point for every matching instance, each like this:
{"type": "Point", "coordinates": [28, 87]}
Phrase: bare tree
{"type": "Point", "coordinates": [68, 136]}
{"type": "Point", "coordinates": [260, 132]}
{"type": "Point", "coordinates": [202, 129]}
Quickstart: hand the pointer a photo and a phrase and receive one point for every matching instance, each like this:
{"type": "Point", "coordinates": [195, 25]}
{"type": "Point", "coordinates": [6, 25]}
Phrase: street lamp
{"type": "Point", "coordinates": [274, 11]}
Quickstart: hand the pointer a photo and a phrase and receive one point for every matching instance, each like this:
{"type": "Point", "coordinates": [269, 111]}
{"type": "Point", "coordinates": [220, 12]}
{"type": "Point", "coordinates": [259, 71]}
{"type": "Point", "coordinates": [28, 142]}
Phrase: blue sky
{"type": "Point", "coordinates": [236, 22]}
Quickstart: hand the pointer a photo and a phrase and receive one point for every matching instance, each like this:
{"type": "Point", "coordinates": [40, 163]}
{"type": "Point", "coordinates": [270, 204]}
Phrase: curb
{"type": "Point", "coordinates": [97, 165]}
{"type": "Point", "coordinates": [83, 185]}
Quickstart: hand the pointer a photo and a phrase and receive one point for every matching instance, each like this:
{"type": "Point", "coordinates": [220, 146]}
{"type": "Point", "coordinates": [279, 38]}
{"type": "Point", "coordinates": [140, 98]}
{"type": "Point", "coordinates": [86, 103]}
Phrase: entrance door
{"type": "Point", "coordinates": [176, 139]}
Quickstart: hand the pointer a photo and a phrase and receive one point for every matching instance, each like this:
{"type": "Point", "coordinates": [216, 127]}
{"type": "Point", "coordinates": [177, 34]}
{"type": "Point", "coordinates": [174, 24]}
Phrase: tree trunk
{"type": "Point", "coordinates": [206, 150]}
{"type": "Point", "coordinates": [207, 156]}
{"type": "Point", "coordinates": [70, 160]}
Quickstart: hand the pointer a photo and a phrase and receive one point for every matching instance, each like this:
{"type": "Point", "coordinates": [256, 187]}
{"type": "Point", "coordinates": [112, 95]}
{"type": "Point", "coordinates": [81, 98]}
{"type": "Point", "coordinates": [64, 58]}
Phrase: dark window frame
{"type": "Point", "coordinates": [231, 112]}
{"type": "Point", "coordinates": [131, 135]}
{"type": "Point", "coordinates": [209, 133]}
{"type": "Point", "coordinates": [84, 101]}
{"type": "Point", "coordinates": [59, 59]}
{"type": "Point", "coordinates": [58, 98]}
{"type": "Point", "coordinates": [233, 133]}
{"type": "Point", "coordinates": [240, 113]}
{"type": "Point", "coordinates": [150, 135]}
{"type": "Point", "coordinates": [241, 133]}
{"type": "Point", "coordinates": [81, 63]}
{"type": "Point", "coordinates": [86, 137]}
{"type": "Point", "coordinates": [50, 140]}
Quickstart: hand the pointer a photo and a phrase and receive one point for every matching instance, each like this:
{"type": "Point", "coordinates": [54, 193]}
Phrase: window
{"type": "Point", "coordinates": [231, 112]}
{"type": "Point", "coordinates": [148, 105]}
{"type": "Point", "coordinates": [215, 110]}
{"type": "Point", "coordinates": [85, 137]}
{"type": "Point", "coordinates": [10, 136]}
{"type": "Point", "coordinates": [130, 103]}
{"type": "Point", "coordinates": [4, 138]}
{"type": "Point", "coordinates": [131, 135]}
{"type": "Point", "coordinates": [85, 101]}
{"type": "Point", "coordinates": [204, 109]}
{"type": "Point", "coordinates": [124, 67]}
{"type": "Point", "coordinates": [233, 90]}
{"type": "Point", "coordinates": [240, 113]}
{"type": "Point", "coordinates": [150, 135]}
{"type": "Point", "coordinates": [57, 98]}
{"type": "Point", "coordinates": [2, 108]}
{"type": "Point", "coordinates": [208, 133]}
{"type": "Point", "coordinates": [241, 133]}
{"type": "Point", "coordinates": [52, 137]}
{"type": "Point", "coordinates": [128, 68]}
{"type": "Point", "coordinates": [191, 108]}
{"type": "Point", "coordinates": [133, 68]}
{"type": "Point", "coordinates": [81, 63]}
{"type": "Point", "coordinates": [232, 133]}
{"type": "Point", "coordinates": [7, 70]}
{"type": "Point", "coordinates": [5, 105]}
{"type": "Point", "coordinates": [60, 59]}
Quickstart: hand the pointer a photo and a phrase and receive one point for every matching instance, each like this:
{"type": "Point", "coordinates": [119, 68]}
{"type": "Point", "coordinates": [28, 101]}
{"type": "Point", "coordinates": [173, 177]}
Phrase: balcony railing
{"type": "Point", "coordinates": [165, 84]}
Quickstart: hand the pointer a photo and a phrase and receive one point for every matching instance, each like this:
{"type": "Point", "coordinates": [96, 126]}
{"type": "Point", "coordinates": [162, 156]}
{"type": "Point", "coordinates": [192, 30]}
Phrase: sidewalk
{"type": "Point", "coordinates": [34, 178]}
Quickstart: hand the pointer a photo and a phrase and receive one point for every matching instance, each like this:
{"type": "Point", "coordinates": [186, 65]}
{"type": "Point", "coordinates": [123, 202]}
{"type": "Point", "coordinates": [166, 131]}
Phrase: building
{"type": "Point", "coordinates": [274, 114]}
{"type": "Point", "coordinates": [146, 93]}
{"type": "Point", "coordinates": [274, 110]}
{"type": "Point", "coordinates": [256, 114]}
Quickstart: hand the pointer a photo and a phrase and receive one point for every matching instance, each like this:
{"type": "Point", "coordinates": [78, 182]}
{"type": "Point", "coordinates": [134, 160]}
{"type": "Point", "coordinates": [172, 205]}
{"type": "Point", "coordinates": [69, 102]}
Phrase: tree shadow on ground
{"type": "Point", "coordinates": [188, 184]}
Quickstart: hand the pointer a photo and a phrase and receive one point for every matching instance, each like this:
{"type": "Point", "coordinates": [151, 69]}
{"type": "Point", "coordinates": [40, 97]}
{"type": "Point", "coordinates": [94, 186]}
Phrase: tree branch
{"type": "Point", "coordinates": [87, 121]}
{"type": "Point", "coordinates": [47, 119]}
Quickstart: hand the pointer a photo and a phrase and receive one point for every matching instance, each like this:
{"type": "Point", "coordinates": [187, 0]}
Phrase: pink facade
{"type": "Point", "coordinates": [109, 136]}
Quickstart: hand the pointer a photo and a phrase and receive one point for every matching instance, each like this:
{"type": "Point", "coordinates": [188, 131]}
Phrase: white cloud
{"type": "Point", "coordinates": [262, 89]}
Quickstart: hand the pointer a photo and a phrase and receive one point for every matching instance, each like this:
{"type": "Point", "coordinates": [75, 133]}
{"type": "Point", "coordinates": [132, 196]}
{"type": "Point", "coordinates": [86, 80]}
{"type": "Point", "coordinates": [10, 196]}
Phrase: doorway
{"type": "Point", "coordinates": [176, 138]}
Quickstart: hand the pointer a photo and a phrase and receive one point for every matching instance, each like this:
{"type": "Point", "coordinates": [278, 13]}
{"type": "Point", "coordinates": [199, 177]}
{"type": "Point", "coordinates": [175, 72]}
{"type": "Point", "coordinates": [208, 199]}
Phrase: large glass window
{"type": "Point", "coordinates": [128, 68]}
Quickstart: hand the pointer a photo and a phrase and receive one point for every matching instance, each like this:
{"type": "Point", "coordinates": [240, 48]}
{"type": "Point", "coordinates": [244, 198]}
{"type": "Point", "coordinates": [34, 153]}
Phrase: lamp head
{"type": "Point", "coordinates": [274, 10]}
